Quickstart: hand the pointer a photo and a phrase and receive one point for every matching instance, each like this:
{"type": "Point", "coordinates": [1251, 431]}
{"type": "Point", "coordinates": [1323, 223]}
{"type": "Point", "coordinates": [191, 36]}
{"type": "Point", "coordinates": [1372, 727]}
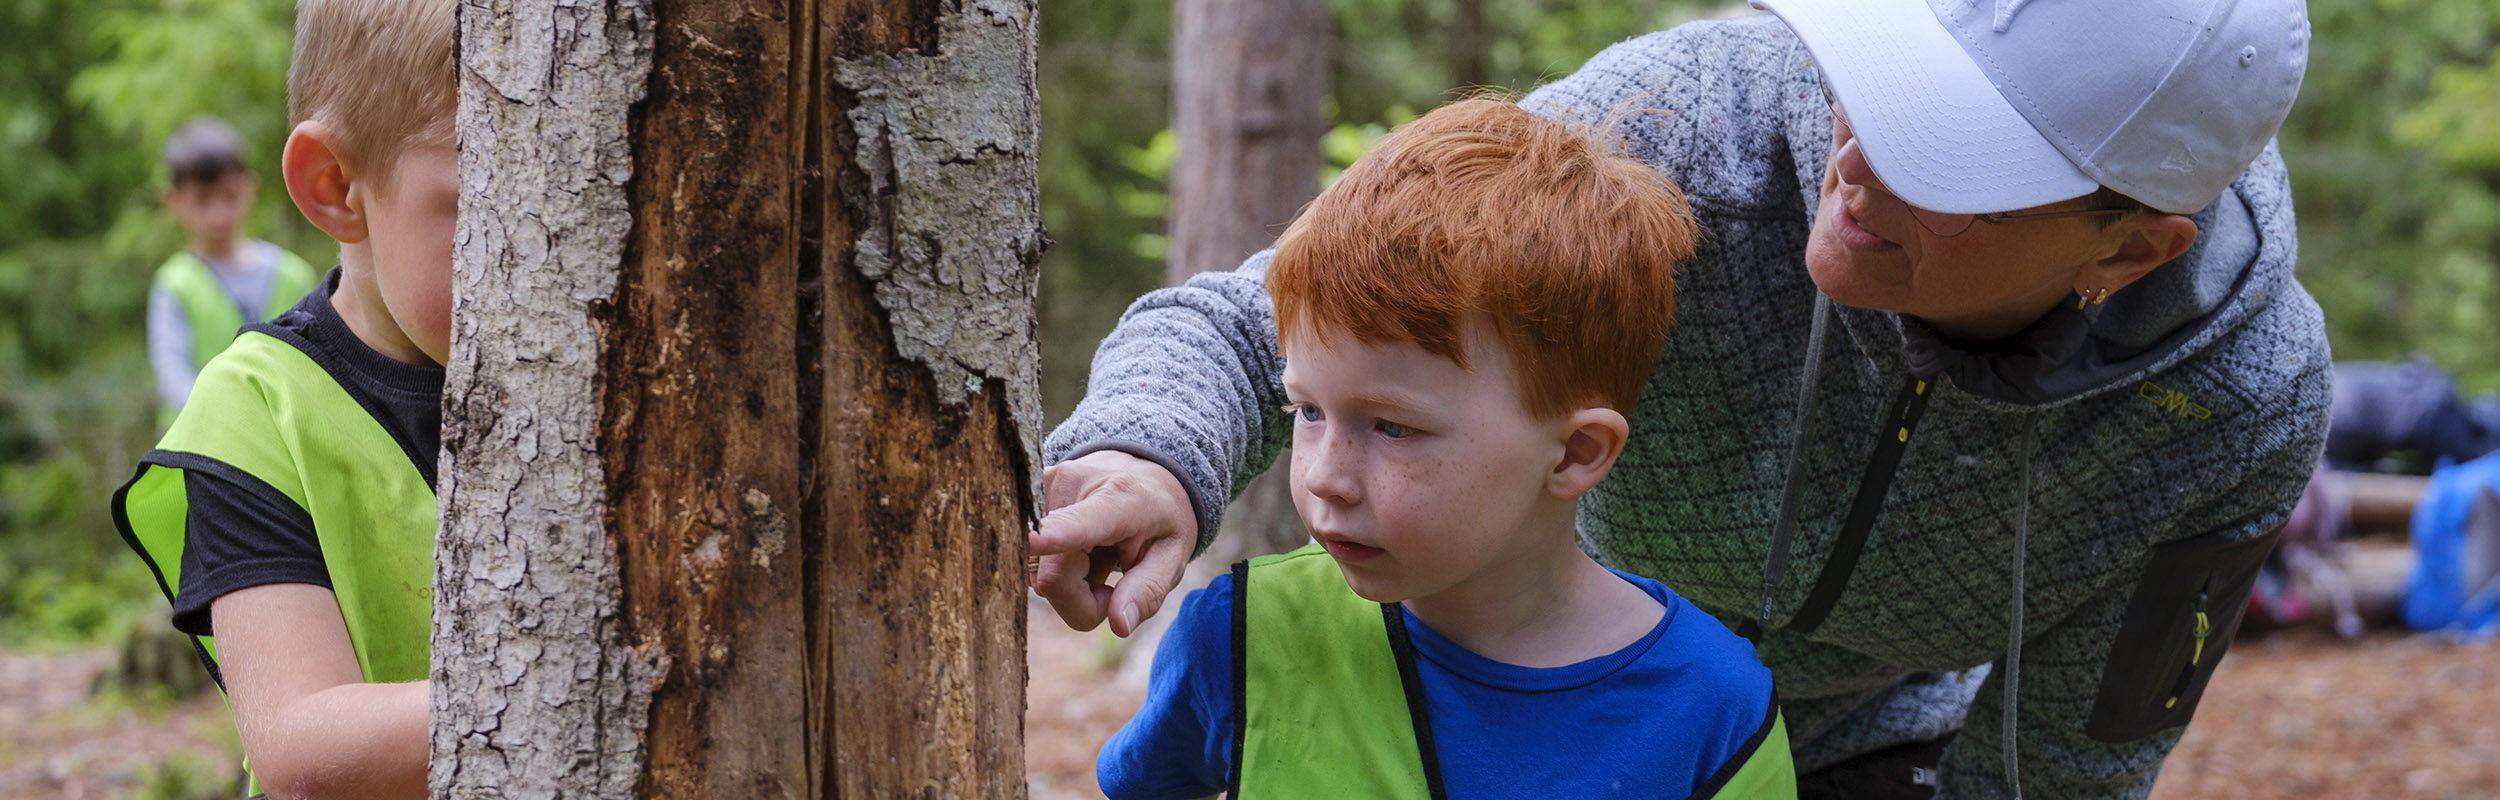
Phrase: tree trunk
{"type": "Point", "coordinates": [1249, 77]}
{"type": "Point", "coordinates": [741, 409]}
{"type": "Point", "coordinates": [1471, 56]}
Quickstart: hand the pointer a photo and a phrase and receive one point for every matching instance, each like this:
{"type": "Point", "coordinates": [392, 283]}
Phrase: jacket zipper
{"type": "Point", "coordinates": [1873, 486]}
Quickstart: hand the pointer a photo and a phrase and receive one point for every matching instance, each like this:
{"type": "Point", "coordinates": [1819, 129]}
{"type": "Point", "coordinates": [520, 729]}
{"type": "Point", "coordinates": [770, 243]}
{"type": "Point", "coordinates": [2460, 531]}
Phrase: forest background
{"type": "Point", "coordinates": [2394, 150]}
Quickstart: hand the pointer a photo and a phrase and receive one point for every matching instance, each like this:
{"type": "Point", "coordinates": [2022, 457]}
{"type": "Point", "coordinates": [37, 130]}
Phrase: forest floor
{"type": "Point", "coordinates": [2293, 714]}
{"type": "Point", "coordinates": [61, 741]}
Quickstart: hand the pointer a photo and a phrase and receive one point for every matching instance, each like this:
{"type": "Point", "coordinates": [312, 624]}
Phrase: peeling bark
{"type": "Point", "coordinates": [949, 152]}
{"type": "Point", "coordinates": [741, 420]}
{"type": "Point", "coordinates": [933, 234]}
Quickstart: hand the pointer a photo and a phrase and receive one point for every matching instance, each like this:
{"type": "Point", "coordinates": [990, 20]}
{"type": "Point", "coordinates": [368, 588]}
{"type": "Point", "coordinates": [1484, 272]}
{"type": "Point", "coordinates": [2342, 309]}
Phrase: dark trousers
{"type": "Point", "coordinates": [1899, 772]}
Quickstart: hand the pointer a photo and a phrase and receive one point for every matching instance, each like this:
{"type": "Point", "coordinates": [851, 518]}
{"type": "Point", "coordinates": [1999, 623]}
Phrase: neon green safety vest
{"type": "Point", "coordinates": [1331, 681]}
{"type": "Point", "coordinates": [266, 418]}
{"type": "Point", "coordinates": [214, 315]}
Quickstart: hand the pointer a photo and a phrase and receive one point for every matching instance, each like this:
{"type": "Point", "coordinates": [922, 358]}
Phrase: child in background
{"type": "Point", "coordinates": [219, 280]}
{"type": "Point", "coordinates": [289, 511]}
{"type": "Point", "coordinates": [1467, 318]}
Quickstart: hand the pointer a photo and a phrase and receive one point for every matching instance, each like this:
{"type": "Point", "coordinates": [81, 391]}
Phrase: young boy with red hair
{"type": "Point", "coordinates": [1467, 318]}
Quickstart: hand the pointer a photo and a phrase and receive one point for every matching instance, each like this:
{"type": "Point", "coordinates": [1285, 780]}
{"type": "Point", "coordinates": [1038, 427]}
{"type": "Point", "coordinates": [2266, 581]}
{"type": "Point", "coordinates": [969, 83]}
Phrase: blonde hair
{"type": "Point", "coordinates": [376, 72]}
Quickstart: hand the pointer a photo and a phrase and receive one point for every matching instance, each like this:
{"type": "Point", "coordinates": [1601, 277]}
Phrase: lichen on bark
{"type": "Point", "coordinates": [949, 140]}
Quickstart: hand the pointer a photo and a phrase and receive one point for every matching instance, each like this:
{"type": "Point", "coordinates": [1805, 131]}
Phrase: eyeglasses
{"type": "Point", "coordinates": [1941, 223]}
{"type": "Point", "coordinates": [1949, 225]}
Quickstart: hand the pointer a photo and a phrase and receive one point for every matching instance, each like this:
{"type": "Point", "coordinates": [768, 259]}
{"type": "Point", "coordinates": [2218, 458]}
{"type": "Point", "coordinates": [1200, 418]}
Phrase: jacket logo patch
{"type": "Point", "coordinates": [2171, 400]}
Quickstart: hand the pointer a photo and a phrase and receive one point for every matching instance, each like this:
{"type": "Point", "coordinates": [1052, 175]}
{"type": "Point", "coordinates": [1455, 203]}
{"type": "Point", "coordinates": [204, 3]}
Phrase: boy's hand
{"type": "Point", "coordinates": [1111, 512]}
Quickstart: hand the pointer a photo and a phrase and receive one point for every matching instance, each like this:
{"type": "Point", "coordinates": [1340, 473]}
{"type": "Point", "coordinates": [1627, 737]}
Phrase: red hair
{"type": "Point", "coordinates": [1482, 213]}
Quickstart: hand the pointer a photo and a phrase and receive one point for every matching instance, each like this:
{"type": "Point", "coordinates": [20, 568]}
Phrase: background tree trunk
{"type": "Point", "coordinates": [741, 411]}
{"type": "Point", "coordinates": [1249, 78]}
{"type": "Point", "coordinates": [1471, 57]}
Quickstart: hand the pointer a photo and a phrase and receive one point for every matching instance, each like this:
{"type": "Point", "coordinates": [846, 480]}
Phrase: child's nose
{"type": "Point", "coordinates": [1330, 470]}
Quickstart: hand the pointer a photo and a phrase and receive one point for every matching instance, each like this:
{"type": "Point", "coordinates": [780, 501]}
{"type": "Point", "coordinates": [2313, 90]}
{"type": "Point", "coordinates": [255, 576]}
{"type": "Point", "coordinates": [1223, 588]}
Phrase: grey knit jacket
{"type": "Point", "coordinates": [2067, 537]}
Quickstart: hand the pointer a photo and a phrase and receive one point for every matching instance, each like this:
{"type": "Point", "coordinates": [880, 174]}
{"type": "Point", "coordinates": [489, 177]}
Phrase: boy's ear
{"type": "Point", "coordinates": [1592, 439]}
{"type": "Point", "coordinates": [317, 180]}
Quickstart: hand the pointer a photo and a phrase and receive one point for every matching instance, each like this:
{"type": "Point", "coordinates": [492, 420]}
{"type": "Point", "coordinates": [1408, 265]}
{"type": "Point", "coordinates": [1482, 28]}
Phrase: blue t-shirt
{"type": "Point", "coordinates": [1653, 719]}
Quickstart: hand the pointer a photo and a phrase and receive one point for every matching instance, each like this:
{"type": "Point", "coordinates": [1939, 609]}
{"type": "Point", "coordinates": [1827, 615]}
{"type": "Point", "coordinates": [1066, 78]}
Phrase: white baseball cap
{"type": "Point", "coordinates": [1980, 106]}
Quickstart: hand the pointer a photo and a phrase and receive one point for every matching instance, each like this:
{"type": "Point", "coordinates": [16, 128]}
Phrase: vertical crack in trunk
{"type": "Point", "coordinates": [807, 110]}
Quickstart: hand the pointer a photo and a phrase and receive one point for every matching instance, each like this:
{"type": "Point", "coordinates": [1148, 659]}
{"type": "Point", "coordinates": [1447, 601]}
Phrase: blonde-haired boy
{"type": "Point", "coordinates": [289, 511]}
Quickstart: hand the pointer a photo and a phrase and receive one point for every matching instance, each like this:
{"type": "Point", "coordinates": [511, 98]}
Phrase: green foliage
{"type": "Point", "coordinates": [88, 92]}
{"type": "Point", "coordinates": [2461, 120]}
{"type": "Point", "coordinates": [1348, 141]}
{"type": "Point", "coordinates": [2392, 151]}
{"type": "Point", "coordinates": [56, 608]}
{"type": "Point", "coordinates": [1148, 201]}
{"type": "Point", "coordinates": [57, 151]}
{"type": "Point", "coordinates": [160, 50]}
{"type": "Point", "coordinates": [1106, 79]}
{"type": "Point", "coordinates": [152, 702]}
{"type": "Point", "coordinates": [1399, 52]}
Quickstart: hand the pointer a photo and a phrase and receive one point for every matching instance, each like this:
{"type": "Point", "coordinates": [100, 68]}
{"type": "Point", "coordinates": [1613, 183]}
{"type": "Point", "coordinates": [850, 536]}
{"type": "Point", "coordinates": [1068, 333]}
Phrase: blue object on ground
{"type": "Point", "coordinates": [2455, 585]}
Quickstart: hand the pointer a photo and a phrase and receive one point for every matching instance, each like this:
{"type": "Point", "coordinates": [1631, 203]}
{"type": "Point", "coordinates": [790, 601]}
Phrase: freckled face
{"type": "Point", "coordinates": [1416, 474]}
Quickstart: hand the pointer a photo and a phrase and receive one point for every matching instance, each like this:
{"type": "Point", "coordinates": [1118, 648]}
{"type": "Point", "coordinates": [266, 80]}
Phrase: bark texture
{"type": "Point", "coordinates": [934, 230]}
{"type": "Point", "coordinates": [699, 376]}
{"type": "Point", "coordinates": [798, 404]}
{"type": "Point", "coordinates": [948, 145]}
{"type": "Point", "coordinates": [537, 691]}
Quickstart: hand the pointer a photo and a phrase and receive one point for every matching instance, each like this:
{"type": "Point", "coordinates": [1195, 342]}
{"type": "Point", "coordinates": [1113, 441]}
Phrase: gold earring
{"type": "Point", "coordinates": [2082, 296]}
{"type": "Point", "coordinates": [2103, 297]}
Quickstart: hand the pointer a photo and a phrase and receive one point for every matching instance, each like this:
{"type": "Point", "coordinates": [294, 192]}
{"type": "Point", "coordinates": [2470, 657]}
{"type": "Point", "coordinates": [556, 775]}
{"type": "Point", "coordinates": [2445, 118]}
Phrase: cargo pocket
{"type": "Point", "coordinates": [2185, 609]}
